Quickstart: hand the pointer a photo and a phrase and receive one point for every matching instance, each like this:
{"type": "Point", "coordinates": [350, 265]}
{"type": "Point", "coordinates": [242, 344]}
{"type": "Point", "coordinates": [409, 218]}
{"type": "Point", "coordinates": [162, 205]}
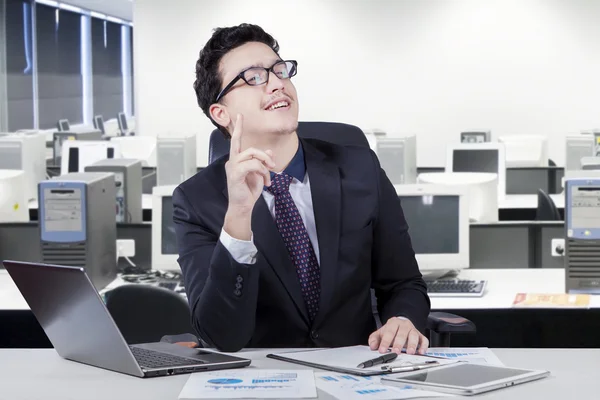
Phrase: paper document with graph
{"type": "Point", "coordinates": [250, 384]}
{"type": "Point", "coordinates": [351, 387]}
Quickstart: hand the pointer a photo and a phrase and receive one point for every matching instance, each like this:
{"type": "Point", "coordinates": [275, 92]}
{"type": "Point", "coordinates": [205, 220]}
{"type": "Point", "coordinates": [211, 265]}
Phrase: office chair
{"type": "Point", "coordinates": [146, 313]}
{"type": "Point", "coordinates": [551, 163]}
{"type": "Point", "coordinates": [546, 209]}
{"type": "Point", "coordinates": [440, 325]}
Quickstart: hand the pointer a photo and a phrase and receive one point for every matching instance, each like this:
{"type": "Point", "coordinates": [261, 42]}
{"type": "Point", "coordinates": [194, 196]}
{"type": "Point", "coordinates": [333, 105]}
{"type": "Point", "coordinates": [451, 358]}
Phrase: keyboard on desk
{"type": "Point", "coordinates": [155, 359]}
{"type": "Point", "coordinates": [455, 288]}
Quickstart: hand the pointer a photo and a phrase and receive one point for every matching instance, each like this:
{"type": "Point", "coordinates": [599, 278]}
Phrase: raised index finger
{"type": "Point", "coordinates": [236, 137]}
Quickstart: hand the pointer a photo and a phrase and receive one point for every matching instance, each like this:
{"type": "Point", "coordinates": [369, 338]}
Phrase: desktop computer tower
{"type": "Point", "coordinates": [175, 160]}
{"type": "Point", "coordinates": [77, 224]}
{"type": "Point", "coordinates": [582, 235]}
{"type": "Point", "coordinates": [59, 137]}
{"type": "Point", "coordinates": [25, 152]}
{"type": "Point", "coordinates": [398, 158]}
{"type": "Point", "coordinates": [128, 183]}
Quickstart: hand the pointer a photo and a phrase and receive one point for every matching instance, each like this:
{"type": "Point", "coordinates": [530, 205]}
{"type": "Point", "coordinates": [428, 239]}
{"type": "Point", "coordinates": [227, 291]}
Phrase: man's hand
{"type": "Point", "coordinates": [247, 172]}
{"type": "Point", "coordinates": [398, 333]}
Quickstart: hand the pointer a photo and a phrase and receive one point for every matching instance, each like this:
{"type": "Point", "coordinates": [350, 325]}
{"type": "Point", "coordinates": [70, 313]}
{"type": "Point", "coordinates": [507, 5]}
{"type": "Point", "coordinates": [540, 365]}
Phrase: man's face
{"type": "Point", "coordinates": [254, 102]}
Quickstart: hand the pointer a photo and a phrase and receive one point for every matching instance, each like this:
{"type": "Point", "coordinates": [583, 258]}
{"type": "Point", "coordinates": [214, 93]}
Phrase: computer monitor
{"type": "Point", "coordinates": [577, 147]}
{"type": "Point", "coordinates": [138, 147]}
{"type": "Point", "coordinates": [99, 123]}
{"type": "Point", "coordinates": [482, 188]}
{"type": "Point", "coordinates": [78, 154]}
{"type": "Point", "coordinates": [63, 125]}
{"type": "Point", "coordinates": [478, 157]}
{"type": "Point", "coordinates": [476, 137]}
{"type": "Point", "coordinates": [438, 225]}
{"type": "Point", "coordinates": [164, 240]}
{"type": "Point", "coordinates": [525, 150]}
{"type": "Point", "coordinates": [122, 121]}
{"type": "Point", "coordinates": [398, 158]}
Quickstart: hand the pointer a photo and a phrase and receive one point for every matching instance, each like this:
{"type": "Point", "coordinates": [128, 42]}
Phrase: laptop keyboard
{"type": "Point", "coordinates": [154, 359]}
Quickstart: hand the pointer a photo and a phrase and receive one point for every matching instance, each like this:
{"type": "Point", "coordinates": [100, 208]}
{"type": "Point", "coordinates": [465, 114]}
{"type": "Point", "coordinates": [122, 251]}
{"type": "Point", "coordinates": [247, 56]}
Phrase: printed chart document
{"type": "Point", "coordinates": [349, 387]}
{"type": "Point", "coordinates": [549, 300]}
{"type": "Point", "coordinates": [250, 384]}
{"type": "Point", "coordinates": [346, 359]}
{"type": "Point", "coordinates": [475, 355]}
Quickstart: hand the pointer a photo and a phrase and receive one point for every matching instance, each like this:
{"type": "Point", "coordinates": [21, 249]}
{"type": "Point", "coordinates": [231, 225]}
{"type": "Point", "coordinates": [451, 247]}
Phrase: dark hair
{"type": "Point", "coordinates": [208, 80]}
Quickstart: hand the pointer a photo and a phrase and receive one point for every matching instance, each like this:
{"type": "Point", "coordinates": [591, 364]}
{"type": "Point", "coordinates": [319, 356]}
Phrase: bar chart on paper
{"type": "Point", "coordinates": [350, 387]}
{"type": "Point", "coordinates": [475, 355]}
{"type": "Point", "coordinates": [250, 383]}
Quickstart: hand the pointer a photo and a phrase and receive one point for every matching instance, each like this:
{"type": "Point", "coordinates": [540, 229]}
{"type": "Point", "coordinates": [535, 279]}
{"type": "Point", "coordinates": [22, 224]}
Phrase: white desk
{"type": "Point", "coordinates": [503, 285]}
{"type": "Point", "coordinates": [521, 201]}
{"type": "Point", "coordinates": [146, 202]}
{"type": "Point", "coordinates": [42, 374]}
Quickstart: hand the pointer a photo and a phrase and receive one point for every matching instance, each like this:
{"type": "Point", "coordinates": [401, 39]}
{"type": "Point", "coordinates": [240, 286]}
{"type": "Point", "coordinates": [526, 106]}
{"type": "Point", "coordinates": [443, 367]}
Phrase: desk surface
{"type": "Point", "coordinates": [502, 287]}
{"type": "Point", "coordinates": [42, 374]}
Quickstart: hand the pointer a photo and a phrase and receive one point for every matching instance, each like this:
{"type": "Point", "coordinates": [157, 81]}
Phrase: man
{"type": "Point", "coordinates": [281, 241]}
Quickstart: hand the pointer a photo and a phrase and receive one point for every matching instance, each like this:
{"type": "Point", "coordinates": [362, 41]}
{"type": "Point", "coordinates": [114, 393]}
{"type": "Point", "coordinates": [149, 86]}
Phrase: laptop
{"type": "Point", "coordinates": [79, 326]}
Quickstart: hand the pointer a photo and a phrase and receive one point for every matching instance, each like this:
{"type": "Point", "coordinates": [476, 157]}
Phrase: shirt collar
{"type": "Point", "coordinates": [297, 167]}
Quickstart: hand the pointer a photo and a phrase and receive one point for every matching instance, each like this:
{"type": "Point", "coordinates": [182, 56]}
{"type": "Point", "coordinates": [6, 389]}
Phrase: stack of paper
{"type": "Point", "coordinates": [250, 384]}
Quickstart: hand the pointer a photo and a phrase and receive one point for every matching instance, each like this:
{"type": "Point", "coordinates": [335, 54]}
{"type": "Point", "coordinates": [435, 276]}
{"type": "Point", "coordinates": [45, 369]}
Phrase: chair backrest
{"type": "Point", "coordinates": [546, 210]}
{"type": "Point", "coordinates": [146, 313]}
{"type": "Point", "coordinates": [333, 132]}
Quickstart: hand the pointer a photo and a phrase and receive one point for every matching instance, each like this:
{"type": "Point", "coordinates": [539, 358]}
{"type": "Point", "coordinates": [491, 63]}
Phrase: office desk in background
{"type": "Point", "coordinates": [33, 374]}
{"type": "Point", "coordinates": [498, 324]}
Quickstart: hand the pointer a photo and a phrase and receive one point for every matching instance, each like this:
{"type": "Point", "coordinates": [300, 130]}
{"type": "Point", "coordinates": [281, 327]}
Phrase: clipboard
{"type": "Point", "coordinates": [345, 359]}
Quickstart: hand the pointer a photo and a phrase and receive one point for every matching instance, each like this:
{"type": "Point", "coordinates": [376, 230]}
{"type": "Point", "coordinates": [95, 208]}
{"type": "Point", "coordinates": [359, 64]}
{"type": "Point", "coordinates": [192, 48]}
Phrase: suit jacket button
{"type": "Point", "coordinates": [314, 335]}
{"type": "Point", "coordinates": [238, 285]}
{"type": "Point", "coordinates": [240, 279]}
{"type": "Point", "coordinates": [237, 292]}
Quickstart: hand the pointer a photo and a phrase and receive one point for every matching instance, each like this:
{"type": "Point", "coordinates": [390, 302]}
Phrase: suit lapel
{"type": "Point", "coordinates": [324, 177]}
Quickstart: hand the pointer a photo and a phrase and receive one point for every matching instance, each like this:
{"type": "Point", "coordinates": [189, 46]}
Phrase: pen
{"type": "Point", "coordinates": [386, 358]}
{"type": "Point", "coordinates": [414, 367]}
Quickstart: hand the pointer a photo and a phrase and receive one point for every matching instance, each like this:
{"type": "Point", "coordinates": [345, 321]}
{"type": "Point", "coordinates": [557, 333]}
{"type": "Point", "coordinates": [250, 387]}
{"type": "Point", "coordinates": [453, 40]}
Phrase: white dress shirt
{"type": "Point", "coordinates": [244, 251]}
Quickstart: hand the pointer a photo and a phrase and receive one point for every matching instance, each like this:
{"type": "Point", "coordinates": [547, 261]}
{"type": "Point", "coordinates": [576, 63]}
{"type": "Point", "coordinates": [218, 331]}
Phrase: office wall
{"type": "Point", "coordinates": [427, 67]}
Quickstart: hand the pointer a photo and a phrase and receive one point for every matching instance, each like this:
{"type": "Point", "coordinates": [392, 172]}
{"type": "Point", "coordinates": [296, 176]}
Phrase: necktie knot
{"type": "Point", "coordinates": [280, 183]}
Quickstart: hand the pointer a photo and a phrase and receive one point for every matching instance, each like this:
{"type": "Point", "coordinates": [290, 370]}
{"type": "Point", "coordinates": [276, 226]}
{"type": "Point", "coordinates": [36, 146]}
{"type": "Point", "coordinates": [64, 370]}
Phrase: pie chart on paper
{"type": "Point", "coordinates": [225, 381]}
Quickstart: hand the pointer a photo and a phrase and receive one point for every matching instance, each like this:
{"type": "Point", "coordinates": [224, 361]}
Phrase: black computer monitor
{"type": "Point", "coordinates": [433, 223]}
{"type": "Point", "coordinates": [465, 160]}
{"type": "Point", "coordinates": [122, 121]}
{"type": "Point", "coordinates": [63, 125]}
{"type": "Point", "coordinates": [99, 123]}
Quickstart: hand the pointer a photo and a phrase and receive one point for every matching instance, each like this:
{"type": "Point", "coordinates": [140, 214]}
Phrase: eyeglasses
{"type": "Point", "coordinates": [256, 76]}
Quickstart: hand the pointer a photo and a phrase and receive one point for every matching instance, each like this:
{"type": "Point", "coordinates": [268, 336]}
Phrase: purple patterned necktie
{"type": "Point", "coordinates": [294, 235]}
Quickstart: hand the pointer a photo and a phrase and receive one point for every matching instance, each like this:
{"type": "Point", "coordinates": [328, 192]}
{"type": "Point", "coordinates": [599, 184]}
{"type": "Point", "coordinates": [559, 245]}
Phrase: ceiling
{"type": "Point", "coordinates": [115, 8]}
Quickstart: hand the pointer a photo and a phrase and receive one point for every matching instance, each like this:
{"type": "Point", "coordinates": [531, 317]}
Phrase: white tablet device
{"type": "Point", "coordinates": [464, 379]}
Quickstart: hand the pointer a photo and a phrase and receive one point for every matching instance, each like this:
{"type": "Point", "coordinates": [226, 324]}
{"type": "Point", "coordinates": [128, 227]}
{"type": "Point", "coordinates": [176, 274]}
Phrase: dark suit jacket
{"type": "Point", "coordinates": [363, 243]}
